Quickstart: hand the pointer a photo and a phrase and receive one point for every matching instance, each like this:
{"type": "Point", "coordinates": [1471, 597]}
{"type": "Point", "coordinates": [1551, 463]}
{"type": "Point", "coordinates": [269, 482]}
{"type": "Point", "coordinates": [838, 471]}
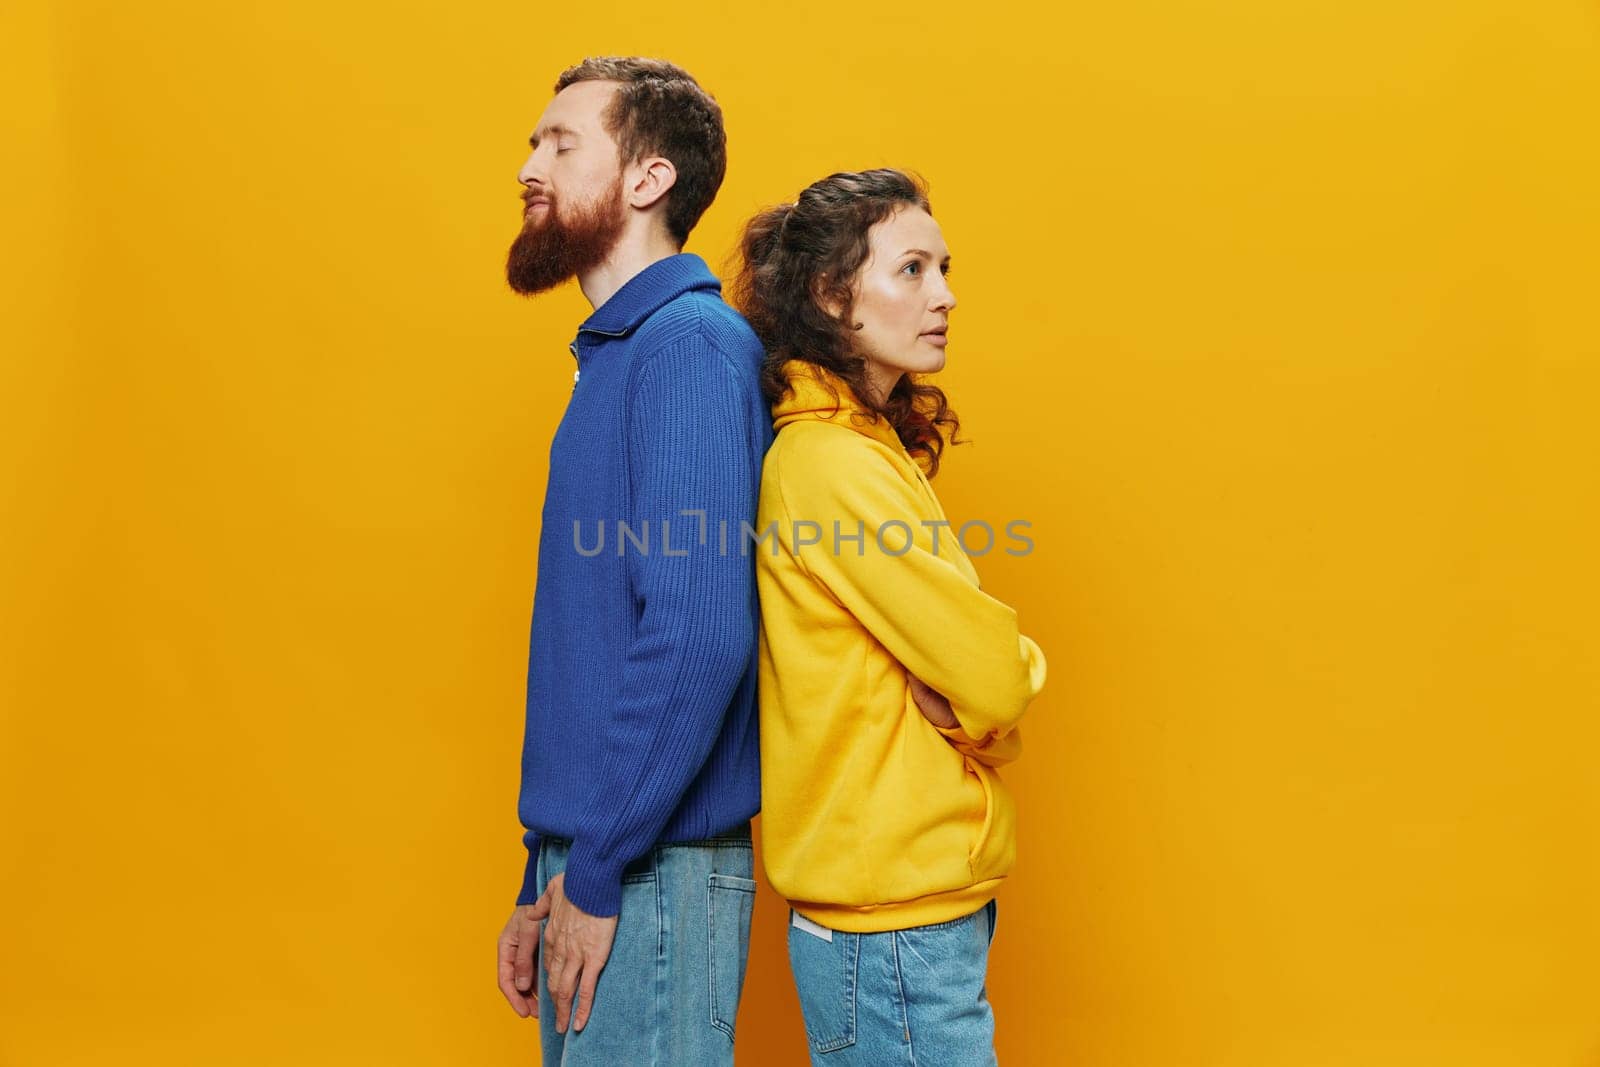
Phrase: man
{"type": "Point", "coordinates": [640, 766]}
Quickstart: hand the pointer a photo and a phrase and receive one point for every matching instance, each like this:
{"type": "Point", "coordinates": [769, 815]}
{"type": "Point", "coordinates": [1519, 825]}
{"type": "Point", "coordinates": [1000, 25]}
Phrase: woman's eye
{"type": "Point", "coordinates": [913, 267]}
{"type": "Point", "coordinates": [561, 150]}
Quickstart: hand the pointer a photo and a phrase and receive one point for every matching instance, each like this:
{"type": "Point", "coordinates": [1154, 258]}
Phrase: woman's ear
{"type": "Point", "coordinates": [823, 299]}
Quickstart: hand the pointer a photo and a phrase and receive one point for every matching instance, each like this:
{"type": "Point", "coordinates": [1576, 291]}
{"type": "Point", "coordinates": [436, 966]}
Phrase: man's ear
{"type": "Point", "coordinates": [653, 177]}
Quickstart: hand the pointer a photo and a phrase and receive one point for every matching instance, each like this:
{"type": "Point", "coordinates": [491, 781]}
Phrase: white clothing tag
{"type": "Point", "coordinates": [812, 928]}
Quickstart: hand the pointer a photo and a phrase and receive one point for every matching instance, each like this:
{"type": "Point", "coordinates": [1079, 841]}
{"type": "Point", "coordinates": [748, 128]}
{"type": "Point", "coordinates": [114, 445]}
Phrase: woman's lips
{"type": "Point", "coordinates": [938, 339]}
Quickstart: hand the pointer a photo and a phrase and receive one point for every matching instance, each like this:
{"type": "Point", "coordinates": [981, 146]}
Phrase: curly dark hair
{"type": "Point", "coordinates": [660, 110]}
{"type": "Point", "coordinates": [796, 257]}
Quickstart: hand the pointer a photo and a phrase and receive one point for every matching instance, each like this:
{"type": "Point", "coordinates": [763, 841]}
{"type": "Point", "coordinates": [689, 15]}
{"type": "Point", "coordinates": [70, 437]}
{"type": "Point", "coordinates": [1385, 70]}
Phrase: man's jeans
{"type": "Point", "coordinates": [912, 996]}
{"type": "Point", "coordinates": [669, 992]}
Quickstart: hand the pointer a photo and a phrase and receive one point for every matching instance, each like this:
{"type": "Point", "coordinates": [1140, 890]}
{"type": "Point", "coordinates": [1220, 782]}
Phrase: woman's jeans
{"type": "Point", "coordinates": [670, 989]}
{"type": "Point", "coordinates": [914, 997]}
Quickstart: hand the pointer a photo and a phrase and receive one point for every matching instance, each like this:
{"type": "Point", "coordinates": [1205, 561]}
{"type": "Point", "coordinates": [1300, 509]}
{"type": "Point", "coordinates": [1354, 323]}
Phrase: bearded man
{"type": "Point", "coordinates": [640, 763]}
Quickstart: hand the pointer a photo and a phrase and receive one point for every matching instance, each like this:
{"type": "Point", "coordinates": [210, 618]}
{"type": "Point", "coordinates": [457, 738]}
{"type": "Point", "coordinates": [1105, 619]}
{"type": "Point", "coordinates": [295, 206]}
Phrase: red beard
{"type": "Point", "coordinates": [551, 249]}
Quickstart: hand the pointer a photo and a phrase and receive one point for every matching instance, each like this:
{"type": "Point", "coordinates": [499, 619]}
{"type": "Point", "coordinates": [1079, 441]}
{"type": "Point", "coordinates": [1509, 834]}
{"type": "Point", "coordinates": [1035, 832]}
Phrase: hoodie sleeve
{"type": "Point", "coordinates": [996, 751]}
{"type": "Point", "coordinates": [910, 596]}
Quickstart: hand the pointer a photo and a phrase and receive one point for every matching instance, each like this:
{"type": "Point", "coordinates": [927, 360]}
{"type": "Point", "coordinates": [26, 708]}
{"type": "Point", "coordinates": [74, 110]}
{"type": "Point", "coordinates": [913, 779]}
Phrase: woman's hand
{"type": "Point", "coordinates": [934, 707]}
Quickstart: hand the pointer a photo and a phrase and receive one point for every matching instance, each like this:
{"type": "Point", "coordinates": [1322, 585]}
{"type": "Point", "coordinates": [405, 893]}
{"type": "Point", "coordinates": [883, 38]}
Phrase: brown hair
{"type": "Point", "coordinates": [660, 110]}
{"type": "Point", "coordinates": [794, 256]}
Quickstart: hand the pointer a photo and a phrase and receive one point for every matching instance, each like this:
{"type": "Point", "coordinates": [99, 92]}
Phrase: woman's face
{"type": "Point", "coordinates": [902, 299]}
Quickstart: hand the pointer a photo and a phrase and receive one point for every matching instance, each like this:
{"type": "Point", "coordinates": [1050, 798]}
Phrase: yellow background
{"type": "Point", "coordinates": [1277, 320]}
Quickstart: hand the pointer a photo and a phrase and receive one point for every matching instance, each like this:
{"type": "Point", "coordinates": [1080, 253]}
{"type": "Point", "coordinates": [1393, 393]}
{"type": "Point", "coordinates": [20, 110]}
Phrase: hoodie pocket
{"type": "Point", "coordinates": [931, 812]}
{"type": "Point", "coordinates": [994, 850]}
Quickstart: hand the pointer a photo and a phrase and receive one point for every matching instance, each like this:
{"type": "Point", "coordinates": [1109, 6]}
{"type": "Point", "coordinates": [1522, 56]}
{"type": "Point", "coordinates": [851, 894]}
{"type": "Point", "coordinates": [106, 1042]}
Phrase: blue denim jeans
{"type": "Point", "coordinates": [912, 996]}
{"type": "Point", "coordinates": [670, 990]}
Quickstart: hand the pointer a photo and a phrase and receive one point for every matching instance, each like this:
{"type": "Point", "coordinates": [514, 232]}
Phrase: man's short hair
{"type": "Point", "coordinates": [659, 110]}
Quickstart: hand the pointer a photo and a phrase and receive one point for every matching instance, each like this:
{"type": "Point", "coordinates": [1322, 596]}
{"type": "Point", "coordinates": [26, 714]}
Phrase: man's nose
{"type": "Point", "coordinates": [532, 172]}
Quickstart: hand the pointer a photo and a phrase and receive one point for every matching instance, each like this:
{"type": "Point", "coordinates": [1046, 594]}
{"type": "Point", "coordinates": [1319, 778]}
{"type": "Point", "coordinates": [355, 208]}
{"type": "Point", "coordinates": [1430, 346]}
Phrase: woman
{"type": "Point", "coordinates": [890, 685]}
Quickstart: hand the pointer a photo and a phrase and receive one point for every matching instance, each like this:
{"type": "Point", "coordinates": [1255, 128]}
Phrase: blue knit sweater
{"type": "Point", "coordinates": [641, 712]}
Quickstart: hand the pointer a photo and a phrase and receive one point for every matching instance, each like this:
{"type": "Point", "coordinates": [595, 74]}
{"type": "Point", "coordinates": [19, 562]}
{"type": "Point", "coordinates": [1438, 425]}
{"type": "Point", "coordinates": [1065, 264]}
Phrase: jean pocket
{"type": "Point", "coordinates": [730, 900]}
{"type": "Point", "coordinates": [825, 978]}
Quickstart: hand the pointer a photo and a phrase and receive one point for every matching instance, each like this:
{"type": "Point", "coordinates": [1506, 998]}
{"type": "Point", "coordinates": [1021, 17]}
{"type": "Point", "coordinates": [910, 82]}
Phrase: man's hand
{"type": "Point", "coordinates": [576, 947]}
{"type": "Point", "coordinates": [519, 944]}
{"type": "Point", "coordinates": [934, 707]}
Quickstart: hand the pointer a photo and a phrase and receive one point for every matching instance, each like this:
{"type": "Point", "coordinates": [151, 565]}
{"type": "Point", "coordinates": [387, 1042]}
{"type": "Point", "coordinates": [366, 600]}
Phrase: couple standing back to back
{"type": "Point", "coordinates": [749, 599]}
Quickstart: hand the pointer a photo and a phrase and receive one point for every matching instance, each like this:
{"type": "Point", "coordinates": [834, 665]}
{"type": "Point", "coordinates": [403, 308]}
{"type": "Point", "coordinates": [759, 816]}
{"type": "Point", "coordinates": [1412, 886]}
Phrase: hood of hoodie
{"type": "Point", "coordinates": [810, 398]}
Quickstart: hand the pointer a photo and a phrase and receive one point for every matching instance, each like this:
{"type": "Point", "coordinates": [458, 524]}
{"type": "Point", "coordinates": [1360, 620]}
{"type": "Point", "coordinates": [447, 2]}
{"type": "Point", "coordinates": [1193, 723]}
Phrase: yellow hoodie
{"type": "Point", "coordinates": [872, 818]}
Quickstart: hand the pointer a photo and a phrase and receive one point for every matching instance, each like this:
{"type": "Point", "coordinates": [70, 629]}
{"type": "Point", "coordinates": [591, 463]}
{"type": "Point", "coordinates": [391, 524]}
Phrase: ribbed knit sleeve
{"type": "Point", "coordinates": [529, 893]}
{"type": "Point", "coordinates": [689, 449]}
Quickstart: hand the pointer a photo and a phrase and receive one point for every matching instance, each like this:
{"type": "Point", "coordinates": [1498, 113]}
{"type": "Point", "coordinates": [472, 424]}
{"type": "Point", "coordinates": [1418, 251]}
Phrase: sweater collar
{"type": "Point", "coordinates": [647, 291]}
